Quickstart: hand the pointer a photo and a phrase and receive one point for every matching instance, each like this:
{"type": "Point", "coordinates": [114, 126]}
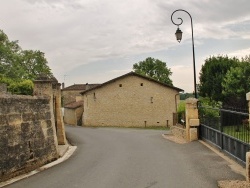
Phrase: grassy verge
{"type": "Point", "coordinates": [239, 132]}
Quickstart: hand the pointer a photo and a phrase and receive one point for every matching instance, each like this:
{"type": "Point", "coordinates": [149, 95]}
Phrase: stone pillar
{"type": "Point", "coordinates": [3, 88]}
{"type": "Point", "coordinates": [192, 119]}
{"type": "Point", "coordinates": [43, 87]}
{"type": "Point", "coordinates": [60, 129]}
{"type": "Point", "coordinates": [248, 166]}
{"type": "Point", "coordinates": [248, 153]}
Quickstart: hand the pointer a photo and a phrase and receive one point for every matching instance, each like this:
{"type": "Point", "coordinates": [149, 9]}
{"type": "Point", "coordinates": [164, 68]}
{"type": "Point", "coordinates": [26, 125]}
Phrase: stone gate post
{"type": "Point", "coordinates": [248, 153]}
{"type": "Point", "coordinates": [192, 119]}
{"type": "Point", "coordinates": [44, 86]}
{"type": "Point", "coordinates": [60, 130]}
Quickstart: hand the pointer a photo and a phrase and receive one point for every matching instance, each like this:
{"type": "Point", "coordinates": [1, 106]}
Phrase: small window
{"type": "Point", "coordinates": [151, 99]}
{"type": "Point", "coordinates": [94, 97]}
{"type": "Point", "coordinates": [120, 85]}
{"type": "Point", "coordinates": [141, 84]}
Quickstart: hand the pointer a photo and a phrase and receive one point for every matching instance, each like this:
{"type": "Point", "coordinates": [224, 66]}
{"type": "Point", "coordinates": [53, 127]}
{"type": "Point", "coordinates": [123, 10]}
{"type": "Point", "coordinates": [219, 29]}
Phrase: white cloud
{"type": "Point", "coordinates": [120, 71]}
{"type": "Point", "coordinates": [82, 32]}
{"type": "Point", "coordinates": [240, 53]}
{"type": "Point", "coordinates": [183, 77]}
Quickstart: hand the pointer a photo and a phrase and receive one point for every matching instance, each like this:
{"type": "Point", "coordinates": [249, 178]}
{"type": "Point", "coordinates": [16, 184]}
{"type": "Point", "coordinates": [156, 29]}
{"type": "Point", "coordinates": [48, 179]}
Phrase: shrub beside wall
{"type": "Point", "coordinates": [27, 137]}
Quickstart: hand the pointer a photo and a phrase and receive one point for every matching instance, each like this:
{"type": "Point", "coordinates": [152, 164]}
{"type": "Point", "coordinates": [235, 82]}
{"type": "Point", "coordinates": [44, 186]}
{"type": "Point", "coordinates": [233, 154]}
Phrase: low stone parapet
{"type": "Point", "coordinates": [178, 131]}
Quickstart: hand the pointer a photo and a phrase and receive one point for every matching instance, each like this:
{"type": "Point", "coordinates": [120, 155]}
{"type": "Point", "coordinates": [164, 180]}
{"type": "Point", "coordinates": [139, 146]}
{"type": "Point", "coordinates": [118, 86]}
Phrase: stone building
{"type": "Point", "coordinates": [73, 113]}
{"type": "Point", "coordinates": [130, 100]}
{"type": "Point", "coordinates": [70, 93]}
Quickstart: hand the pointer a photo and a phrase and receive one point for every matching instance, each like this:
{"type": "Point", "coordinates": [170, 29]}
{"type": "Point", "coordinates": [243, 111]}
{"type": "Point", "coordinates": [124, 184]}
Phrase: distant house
{"type": "Point", "coordinates": [73, 113]}
{"type": "Point", "coordinates": [130, 100]}
{"type": "Point", "coordinates": [70, 93]}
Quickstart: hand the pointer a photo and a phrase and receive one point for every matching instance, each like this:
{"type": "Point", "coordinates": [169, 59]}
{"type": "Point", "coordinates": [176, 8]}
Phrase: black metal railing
{"type": "Point", "coordinates": [227, 129]}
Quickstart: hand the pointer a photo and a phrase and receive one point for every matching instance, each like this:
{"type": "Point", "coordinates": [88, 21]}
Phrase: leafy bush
{"type": "Point", "coordinates": [21, 87]}
{"type": "Point", "coordinates": [209, 108]}
{"type": "Point", "coordinates": [24, 87]}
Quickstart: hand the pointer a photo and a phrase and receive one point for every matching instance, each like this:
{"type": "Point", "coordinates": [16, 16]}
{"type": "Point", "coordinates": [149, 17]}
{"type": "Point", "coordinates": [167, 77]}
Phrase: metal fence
{"type": "Point", "coordinates": [227, 129]}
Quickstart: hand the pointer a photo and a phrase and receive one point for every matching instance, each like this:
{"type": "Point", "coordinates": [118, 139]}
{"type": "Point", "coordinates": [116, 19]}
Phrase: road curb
{"type": "Point", "coordinates": [67, 154]}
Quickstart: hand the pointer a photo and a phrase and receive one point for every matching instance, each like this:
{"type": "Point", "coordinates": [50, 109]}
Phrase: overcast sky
{"type": "Point", "coordinates": [93, 41]}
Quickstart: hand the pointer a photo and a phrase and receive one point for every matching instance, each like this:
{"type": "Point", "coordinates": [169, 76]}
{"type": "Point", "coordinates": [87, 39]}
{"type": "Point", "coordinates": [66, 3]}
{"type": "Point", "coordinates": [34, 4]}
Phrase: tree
{"type": "Point", "coordinates": [155, 69]}
{"type": "Point", "coordinates": [34, 63]}
{"type": "Point", "coordinates": [9, 57]}
{"type": "Point", "coordinates": [212, 74]}
{"type": "Point", "coordinates": [18, 64]}
{"type": "Point", "coordinates": [18, 68]}
{"type": "Point", "coordinates": [237, 80]}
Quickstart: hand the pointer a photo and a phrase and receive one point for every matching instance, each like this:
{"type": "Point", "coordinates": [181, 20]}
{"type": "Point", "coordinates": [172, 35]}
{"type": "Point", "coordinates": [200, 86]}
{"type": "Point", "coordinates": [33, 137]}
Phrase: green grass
{"type": "Point", "coordinates": [240, 132]}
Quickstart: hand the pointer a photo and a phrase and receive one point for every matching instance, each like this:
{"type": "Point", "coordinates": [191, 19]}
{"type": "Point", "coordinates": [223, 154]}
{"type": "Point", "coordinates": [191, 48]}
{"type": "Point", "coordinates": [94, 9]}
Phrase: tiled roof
{"type": "Point", "coordinates": [74, 105]}
{"type": "Point", "coordinates": [133, 74]}
{"type": "Point", "coordinates": [79, 87]}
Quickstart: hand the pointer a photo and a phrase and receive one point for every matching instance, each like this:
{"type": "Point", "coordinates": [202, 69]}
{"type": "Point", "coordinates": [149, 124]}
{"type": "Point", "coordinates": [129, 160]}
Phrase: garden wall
{"type": "Point", "coordinates": [27, 134]}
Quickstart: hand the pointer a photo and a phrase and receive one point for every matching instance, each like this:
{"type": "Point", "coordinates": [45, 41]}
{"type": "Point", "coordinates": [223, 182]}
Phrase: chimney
{"type": "Point", "coordinates": [63, 85]}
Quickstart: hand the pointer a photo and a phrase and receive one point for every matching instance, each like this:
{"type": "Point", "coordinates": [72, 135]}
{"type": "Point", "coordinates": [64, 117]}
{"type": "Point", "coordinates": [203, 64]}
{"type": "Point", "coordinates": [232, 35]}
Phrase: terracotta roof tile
{"type": "Point", "coordinates": [74, 105]}
{"type": "Point", "coordinates": [81, 87]}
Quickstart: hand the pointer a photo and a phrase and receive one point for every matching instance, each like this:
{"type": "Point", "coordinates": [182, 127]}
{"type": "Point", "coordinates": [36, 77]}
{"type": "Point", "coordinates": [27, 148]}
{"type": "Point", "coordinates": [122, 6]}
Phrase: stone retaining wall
{"type": "Point", "coordinates": [27, 134]}
{"type": "Point", "coordinates": [179, 132]}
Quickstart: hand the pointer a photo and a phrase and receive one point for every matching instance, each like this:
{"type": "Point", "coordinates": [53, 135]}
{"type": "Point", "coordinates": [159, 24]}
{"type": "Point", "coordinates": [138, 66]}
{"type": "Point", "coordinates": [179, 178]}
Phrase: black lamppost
{"type": "Point", "coordinates": [178, 35]}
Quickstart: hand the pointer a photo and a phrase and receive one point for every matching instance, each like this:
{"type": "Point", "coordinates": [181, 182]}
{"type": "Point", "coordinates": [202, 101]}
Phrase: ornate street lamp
{"type": "Point", "coordinates": [178, 35]}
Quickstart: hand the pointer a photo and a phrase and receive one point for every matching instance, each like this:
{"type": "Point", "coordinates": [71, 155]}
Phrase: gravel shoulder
{"type": "Point", "coordinates": [233, 184]}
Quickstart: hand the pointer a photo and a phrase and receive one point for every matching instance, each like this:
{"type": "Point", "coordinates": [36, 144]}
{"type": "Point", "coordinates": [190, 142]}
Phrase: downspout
{"type": "Point", "coordinates": [176, 101]}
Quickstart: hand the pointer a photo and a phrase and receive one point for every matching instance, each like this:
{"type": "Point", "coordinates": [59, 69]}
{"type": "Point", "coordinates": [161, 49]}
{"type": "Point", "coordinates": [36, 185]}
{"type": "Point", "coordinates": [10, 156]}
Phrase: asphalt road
{"type": "Point", "coordinates": [132, 158]}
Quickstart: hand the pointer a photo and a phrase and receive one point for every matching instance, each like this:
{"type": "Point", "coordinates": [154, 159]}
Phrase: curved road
{"type": "Point", "coordinates": [131, 158]}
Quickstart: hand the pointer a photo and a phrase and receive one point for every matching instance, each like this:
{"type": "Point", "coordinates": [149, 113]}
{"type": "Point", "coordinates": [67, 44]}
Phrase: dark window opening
{"type": "Point", "coordinates": [141, 84]}
{"type": "Point", "coordinates": [120, 85]}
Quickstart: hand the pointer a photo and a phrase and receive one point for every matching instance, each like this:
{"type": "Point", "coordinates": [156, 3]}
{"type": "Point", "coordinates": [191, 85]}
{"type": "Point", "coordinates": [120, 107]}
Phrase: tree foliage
{"type": "Point", "coordinates": [237, 80]}
{"type": "Point", "coordinates": [18, 68]}
{"type": "Point", "coordinates": [24, 87]}
{"type": "Point", "coordinates": [226, 79]}
{"type": "Point", "coordinates": [34, 63]}
{"type": "Point", "coordinates": [16, 63]}
{"type": "Point", "coordinates": [212, 74]}
{"type": "Point", "coordinates": [21, 87]}
{"type": "Point", "coordinates": [155, 69]}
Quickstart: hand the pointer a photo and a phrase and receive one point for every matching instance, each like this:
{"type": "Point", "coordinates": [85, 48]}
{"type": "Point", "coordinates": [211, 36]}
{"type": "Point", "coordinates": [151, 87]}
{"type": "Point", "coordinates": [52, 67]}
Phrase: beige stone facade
{"type": "Point", "coordinates": [73, 113]}
{"type": "Point", "coordinates": [51, 88]}
{"type": "Point", "coordinates": [131, 100]}
{"type": "Point", "coordinates": [192, 119]}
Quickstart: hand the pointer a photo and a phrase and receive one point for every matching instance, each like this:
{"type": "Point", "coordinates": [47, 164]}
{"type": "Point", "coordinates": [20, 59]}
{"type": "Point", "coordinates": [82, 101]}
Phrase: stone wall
{"type": "Point", "coordinates": [73, 113]}
{"type": "Point", "coordinates": [51, 89]}
{"type": "Point", "coordinates": [131, 101]}
{"type": "Point", "coordinates": [27, 134]}
{"type": "Point", "coordinates": [69, 116]}
{"type": "Point", "coordinates": [69, 96]}
{"type": "Point", "coordinates": [179, 132]}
